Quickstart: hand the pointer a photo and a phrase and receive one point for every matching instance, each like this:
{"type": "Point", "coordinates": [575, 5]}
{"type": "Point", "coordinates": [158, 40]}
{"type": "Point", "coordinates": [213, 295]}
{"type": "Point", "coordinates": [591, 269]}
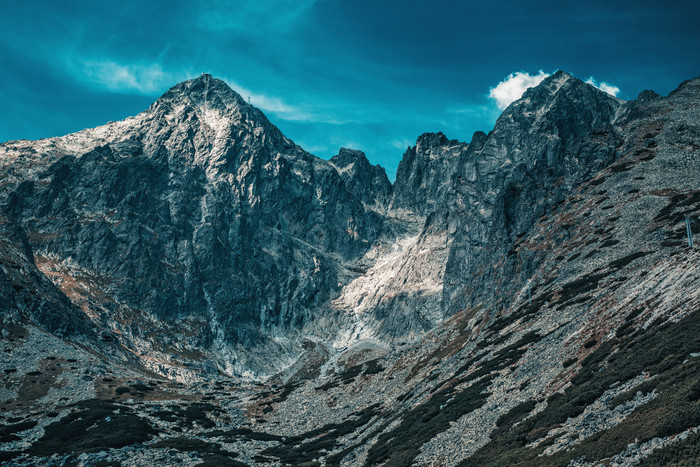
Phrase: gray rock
{"type": "Point", "coordinates": [366, 182]}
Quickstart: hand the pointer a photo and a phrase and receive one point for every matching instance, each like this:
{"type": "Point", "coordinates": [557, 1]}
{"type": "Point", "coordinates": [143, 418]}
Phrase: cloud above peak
{"type": "Point", "coordinates": [514, 86]}
{"type": "Point", "coordinates": [603, 86]}
{"type": "Point", "coordinates": [139, 78]}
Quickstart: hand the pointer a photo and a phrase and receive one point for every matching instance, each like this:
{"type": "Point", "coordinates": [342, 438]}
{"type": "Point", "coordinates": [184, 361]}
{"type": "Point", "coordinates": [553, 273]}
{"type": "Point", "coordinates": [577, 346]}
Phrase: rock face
{"type": "Point", "coordinates": [542, 147]}
{"type": "Point", "coordinates": [424, 174]}
{"type": "Point", "coordinates": [198, 211]}
{"type": "Point", "coordinates": [26, 291]}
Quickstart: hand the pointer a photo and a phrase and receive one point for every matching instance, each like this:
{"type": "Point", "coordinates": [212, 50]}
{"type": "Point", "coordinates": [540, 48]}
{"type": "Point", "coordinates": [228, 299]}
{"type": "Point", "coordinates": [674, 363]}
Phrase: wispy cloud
{"type": "Point", "coordinates": [603, 86]}
{"type": "Point", "coordinates": [141, 78]}
{"type": "Point", "coordinates": [154, 78]}
{"type": "Point", "coordinates": [514, 86]}
{"type": "Point", "coordinates": [283, 109]}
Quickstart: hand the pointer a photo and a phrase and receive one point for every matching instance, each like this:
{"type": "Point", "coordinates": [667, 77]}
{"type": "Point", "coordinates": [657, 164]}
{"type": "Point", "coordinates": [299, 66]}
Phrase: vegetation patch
{"type": "Point", "coordinates": [583, 284]}
{"type": "Point", "coordinates": [524, 312]}
{"type": "Point", "coordinates": [590, 343]}
{"type": "Point", "coordinates": [662, 350]}
{"type": "Point", "coordinates": [573, 257]}
{"type": "Point", "coordinates": [628, 322]}
{"type": "Point", "coordinates": [243, 433]}
{"type": "Point", "coordinates": [421, 423]}
{"type": "Point", "coordinates": [622, 167]}
{"type": "Point", "coordinates": [196, 413]}
{"type": "Point", "coordinates": [516, 414]}
{"type": "Point", "coordinates": [347, 376]}
{"type": "Point", "coordinates": [447, 350]}
{"type": "Point", "coordinates": [680, 453]}
{"type": "Point", "coordinates": [166, 415]}
{"type": "Point", "coordinates": [7, 432]}
{"type": "Point", "coordinates": [685, 203]}
{"type": "Point", "coordinates": [424, 421]}
{"type": "Point", "coordinates": [307, 448]}
{"type": "Point", "coordinates": [570, 362]}
{"type": "Point", "coordinates": [95, 425]}
{"type": "Point", "coordinates": [140, 387]}
{"type": "Point", "coordinates": [212, 454]}
{"type": "Point", "coordinates": [625, 260]}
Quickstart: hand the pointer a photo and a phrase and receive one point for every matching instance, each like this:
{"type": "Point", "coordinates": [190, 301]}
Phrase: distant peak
{"type": "Point", "coordinates": [432, 139]}
{"type": "Point", "coordinates": [562, 75]}
{"type": "Point", "coordinates": [561, 86]}
{"type": "Point", "coordinates": [647, 96]}
{"type": "Point", "coordinates": [478, 138]}
{"type": "Point", "coordinates": [559, 81]}
{"type": "Point", "coordinates": [347, 152]}
{"type": "Point", "coordinates": [688, 87]}
{"type": "Point", "coordinates": [209, 80]}
{"type": "Point", "coordinates": [347, 157]}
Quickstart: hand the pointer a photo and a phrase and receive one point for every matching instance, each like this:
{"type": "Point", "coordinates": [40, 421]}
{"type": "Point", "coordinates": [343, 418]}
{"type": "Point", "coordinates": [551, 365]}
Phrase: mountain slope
{"type": "Point", "coordinates": [600, 366]}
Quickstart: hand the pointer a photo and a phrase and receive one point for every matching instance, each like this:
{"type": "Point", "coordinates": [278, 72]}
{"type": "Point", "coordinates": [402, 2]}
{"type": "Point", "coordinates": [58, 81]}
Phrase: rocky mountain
{"type": "Point", "coordinates": [195, 284]}
{"type": "Point", "coordinates": [197, 212]}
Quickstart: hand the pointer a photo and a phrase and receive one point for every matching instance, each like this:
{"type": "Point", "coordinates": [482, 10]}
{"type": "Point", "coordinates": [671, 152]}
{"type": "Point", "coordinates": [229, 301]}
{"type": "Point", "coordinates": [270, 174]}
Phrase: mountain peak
{"type": "Point", "coordinates": [347, 156]}
{"type": "Point", "coordinates": [204, 89]}
{"type": "Point", "coordinates": [560, 96]}
{"type": "Point", "coordinates": [216, 104]}
{"type": "Point", "coordinates": [561, 74]}
{"type": "Point", "coordinates": [558, 84]}
{"type": "Point", "coordinates": [205, 77]}
{"type": "Point", "coordinates": [689, 87]}
{"type": "Point", "coordinates": [365, 181]}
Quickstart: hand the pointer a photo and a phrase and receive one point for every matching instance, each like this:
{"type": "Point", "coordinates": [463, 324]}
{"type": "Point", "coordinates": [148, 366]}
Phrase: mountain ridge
{"type": "Point", "coordinates": [527, 298]}
{"type": "Point", "coordinates": [204, 123]}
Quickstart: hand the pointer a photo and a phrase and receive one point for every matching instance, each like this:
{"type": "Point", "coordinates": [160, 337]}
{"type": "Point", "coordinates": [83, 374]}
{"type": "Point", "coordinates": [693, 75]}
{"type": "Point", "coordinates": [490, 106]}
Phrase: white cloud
{"type": "Point", "coordinates": [603, 86]}
{"type": "Point", "coordinates": [513, 87]}
{"type": "Point", "coordinates": [153, 78]}
{"type": "Point", "coordinates": [112, 76]}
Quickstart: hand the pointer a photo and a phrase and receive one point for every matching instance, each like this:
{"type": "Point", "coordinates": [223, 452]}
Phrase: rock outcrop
{"type": "Point", "coordinates": [366, 182]}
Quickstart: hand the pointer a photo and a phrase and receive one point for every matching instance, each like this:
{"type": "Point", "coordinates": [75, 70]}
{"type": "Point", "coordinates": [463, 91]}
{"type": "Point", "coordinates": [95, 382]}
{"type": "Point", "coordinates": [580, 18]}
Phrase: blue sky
{"type": "Point", "coordinates": [370, 75]}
